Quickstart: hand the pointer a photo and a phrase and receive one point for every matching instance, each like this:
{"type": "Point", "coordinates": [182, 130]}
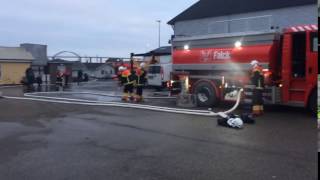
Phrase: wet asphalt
{"type": "Point", "coordinates": [51, 141]}
{"type": "Point", "coordinates": [318, 118]}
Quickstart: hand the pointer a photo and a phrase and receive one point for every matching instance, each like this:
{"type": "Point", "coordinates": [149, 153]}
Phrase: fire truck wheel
{"type": "Point", "coordinates": [206, 95]}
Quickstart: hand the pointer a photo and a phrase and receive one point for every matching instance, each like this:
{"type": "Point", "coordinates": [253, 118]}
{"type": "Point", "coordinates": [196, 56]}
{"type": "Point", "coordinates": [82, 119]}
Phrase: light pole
{"type": "Point", "coordinates": [159, 21]}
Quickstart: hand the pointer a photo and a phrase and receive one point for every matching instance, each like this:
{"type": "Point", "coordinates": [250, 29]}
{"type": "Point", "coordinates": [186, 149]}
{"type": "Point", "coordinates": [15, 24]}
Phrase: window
{"type": "Point", "coordinates": [299, 55]}
{"type": "Point", "coordinates": [154, 69]}
{"type": "Point", "coordinates": [314, 42]}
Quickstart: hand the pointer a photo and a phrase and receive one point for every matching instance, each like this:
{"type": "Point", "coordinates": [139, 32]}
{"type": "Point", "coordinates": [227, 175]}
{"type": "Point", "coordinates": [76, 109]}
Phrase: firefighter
{"type": "Point", "coordinates": [80, 77]}
{"type": "Point", "coordinates": [39, 81]}
{"type": "Point", "coordinates": [119, 73]}
{"type": "Point", "coordinates": [140, 80]}
{"type": "Point", "coordinates": [30, 78]}
{"type": "Point", "coordinates": [59, 78]}
{"type": "Point", "coordinates": [257, 80]}
{"type": "Point", "coordinates": [127, 80]}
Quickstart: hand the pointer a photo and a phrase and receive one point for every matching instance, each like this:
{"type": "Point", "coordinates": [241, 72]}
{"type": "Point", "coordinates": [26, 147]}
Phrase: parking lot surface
{"type": "Point", "coordinates": [52, 141]}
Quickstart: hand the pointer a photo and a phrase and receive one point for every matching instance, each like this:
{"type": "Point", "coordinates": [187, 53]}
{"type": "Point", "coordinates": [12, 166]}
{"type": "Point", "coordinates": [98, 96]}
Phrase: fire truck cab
{"type": "Point", "coordinates": [215, 67]}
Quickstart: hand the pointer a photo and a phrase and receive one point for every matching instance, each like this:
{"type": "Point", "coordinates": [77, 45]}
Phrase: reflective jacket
{"type": "Point", "coordinates": [127, 78]}
{"type": "Point", "coordinates": [140, 77]}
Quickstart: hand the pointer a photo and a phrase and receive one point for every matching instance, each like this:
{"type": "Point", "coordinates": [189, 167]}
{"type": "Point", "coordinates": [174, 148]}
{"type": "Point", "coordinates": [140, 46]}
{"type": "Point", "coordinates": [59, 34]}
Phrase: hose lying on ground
{"type": "Point", "coordinates": [92, 93]}
{"type": "Point", "coordinates": [128, 105]}
{"type": "Point", "coordinates": [91, 101]}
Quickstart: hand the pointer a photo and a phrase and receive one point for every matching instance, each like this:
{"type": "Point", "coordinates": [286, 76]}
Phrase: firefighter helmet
{"type": "Point", "coordinates": [235, 123]}
{"type": "Point", "coordinates": [143, 65]}
{"type": "Point", "coordinates": [122, 68]}
{"type": "Point", "coordinates": [254, 63]}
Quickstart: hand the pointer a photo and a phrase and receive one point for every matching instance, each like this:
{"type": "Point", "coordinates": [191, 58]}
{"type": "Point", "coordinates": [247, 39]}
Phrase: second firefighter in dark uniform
{"type": "Point", "coordinates": [127, 80]}
{"type": "Point", "coordinates": [140, 80]}
{"type": "Point", "coordinates": [257, 80]}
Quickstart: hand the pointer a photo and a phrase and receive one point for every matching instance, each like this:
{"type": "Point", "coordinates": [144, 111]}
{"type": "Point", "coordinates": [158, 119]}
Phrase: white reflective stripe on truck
{"type": "Point", "coordinates": [228, 67]}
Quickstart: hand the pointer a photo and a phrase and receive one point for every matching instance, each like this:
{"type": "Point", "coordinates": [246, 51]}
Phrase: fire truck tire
{"type": "Point", "coordinates": [312, 105]}
{"type": "Point", "coordinates": [206, 95]}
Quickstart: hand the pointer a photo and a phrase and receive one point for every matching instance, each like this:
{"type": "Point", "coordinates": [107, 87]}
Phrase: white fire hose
{"type": "Point", "coordinates": [32, 97]}
{"type": "Point", "coordinates": [90, 93]}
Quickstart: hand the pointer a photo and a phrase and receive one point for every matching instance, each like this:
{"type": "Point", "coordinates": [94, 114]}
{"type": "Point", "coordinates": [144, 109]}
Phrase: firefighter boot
{"type": "Point", "coordinates": [256, 110]}
{"type": "Point", "coordinates": [131, 97]}
{"type": "Point", "coordinates": [125, 97]}
{"type": "Point", "coordinates": [261, 110]}
{"type": "Point", "coordinates": [137, 98]}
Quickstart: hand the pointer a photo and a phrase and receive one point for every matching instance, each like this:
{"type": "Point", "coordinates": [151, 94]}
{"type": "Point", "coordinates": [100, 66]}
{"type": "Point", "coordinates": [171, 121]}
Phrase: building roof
{"type": "Point", "coordinates": [165, 50]}
{"type": "Point", "coordinates": [103, 66]}
{"type": "Point", "coordinates": [214, 8]}
{"type": "Point", "coordinates": [162, 51]}
{"type": "Point", "coordinates": [15, 54]}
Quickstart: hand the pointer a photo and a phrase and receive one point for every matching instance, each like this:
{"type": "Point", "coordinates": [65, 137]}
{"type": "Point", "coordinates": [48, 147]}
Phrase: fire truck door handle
{"type": "Point", "coordinates": [310, 70]}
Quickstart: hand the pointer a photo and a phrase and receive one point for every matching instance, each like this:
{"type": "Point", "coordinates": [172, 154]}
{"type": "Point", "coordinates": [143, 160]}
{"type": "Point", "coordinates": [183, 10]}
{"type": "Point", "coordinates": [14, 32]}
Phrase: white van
{"type": "Point", "coordinates": [159, 75]}
{"type": "Point", "coordinates": [159, 66]}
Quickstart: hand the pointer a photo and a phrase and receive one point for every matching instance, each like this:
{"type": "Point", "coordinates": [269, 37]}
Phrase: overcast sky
{"type": "Point", "coordinates": [89, 27]}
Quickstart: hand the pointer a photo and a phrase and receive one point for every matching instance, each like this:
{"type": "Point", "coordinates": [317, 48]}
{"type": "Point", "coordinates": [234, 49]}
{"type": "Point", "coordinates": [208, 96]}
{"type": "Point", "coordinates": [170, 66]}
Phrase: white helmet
{"type": "Point", "coordinates": [235, 123]}
{"type": "Point", "coordinates": [122, 68]}
{"type": "Point", "coordinates": [254, 63]}
{"type": "Point", "coordinates": [143, 65]}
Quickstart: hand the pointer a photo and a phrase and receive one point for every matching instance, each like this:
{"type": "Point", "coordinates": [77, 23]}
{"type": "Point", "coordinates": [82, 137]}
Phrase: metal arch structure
{"type": "Point", "coordinates": [80, 58]}
{"type": "Point", "coordinates": [70, 52]}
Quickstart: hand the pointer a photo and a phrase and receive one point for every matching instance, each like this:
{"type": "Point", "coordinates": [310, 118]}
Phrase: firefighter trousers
{"type": "Point", "coordinates": [128, 88]}
{"type": "Point", "coordinates": [139, 93]}
{"type": "Point", "coordinates": [257, 102]}
{"type": "Point", "coordinates": [139, 90]}
{"type": "Point", "coordinates": [127, 91]}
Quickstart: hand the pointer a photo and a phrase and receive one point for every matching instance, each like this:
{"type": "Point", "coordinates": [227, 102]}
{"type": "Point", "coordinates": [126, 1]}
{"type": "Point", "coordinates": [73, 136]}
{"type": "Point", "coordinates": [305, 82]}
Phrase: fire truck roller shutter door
{"type": "Point", "coordinates": [206, 94]}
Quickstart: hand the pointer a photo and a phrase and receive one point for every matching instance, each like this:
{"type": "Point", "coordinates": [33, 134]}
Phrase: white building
{"type": "Point", "coordinates": [229, 16]}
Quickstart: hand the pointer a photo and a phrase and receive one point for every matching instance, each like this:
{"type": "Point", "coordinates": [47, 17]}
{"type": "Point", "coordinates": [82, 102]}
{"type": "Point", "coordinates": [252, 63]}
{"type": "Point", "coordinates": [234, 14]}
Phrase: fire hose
{"type": "Point", "coordinates": [90, 93]}
{"type": "Point", "coordinates": [32, 97]}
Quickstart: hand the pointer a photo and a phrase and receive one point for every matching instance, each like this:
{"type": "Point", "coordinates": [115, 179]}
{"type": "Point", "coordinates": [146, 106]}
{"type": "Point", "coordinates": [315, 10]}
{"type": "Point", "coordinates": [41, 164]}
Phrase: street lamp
{"type": "Point", "coordinates": [159, 21]}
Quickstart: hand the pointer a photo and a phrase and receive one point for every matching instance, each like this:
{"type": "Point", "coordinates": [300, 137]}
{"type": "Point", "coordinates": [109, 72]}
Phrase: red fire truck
{"type": "Point", "coordinates": [214, 67]}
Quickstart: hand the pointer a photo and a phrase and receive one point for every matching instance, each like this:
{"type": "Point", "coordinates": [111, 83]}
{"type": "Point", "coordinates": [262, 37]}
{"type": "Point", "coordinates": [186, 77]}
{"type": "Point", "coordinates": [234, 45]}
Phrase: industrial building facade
{"type": "Point", "coordinates": [219, 17]}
